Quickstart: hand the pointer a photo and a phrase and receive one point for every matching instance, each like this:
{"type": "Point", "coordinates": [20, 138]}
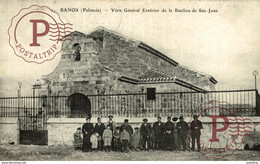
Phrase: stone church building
{"type": "Point", "coordinates": [105, 62]}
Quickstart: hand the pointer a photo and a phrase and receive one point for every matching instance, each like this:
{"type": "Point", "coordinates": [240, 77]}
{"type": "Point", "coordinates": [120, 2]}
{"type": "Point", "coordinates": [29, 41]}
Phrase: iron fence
{"type": "Point", "coordinates": [127, 105]}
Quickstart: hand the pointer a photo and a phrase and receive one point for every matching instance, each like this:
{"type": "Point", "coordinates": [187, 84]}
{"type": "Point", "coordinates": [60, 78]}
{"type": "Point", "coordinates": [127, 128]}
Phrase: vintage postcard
{"type": "Point", "coordinates": [129, 80]}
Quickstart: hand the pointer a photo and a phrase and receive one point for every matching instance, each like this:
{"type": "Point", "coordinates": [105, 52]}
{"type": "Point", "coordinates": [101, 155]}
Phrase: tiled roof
{"type": "Point", "coordinates": [154, 75]}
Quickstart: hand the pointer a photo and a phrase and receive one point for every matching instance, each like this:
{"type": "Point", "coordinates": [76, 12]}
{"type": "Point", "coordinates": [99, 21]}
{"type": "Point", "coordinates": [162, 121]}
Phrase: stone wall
{"type": "Point", "coordinates": [9, 130]}
{"type": "Point", "coordinates": [86, 76]}
{"type": "Point", "coordinates": [227, 136]}
{"type": "Point", "coordinates": [61, 131]}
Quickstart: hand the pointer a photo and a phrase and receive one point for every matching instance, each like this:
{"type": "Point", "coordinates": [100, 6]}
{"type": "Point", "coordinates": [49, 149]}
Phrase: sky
{"type": "Point", "coordinates": [225, 44]}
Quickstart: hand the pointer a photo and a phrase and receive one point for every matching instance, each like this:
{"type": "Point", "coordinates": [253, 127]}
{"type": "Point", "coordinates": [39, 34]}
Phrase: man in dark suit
{"type": "Point", "coordinates": [169, 134]}
{"type": "Point", "coordinates": [87, 130]}
{"type": "Point", "coordinates": [195, 127]}
{"type": "Point", "coordinates": [182, 131]}
{"type": "Point", "coordinates": [158, 133]}
{"type": "Point", "coordinates": [99, 128]}
{"type": "Point", "coordinates": [145, 132]}
{"type": "Point", "coordinates": [127, 127]}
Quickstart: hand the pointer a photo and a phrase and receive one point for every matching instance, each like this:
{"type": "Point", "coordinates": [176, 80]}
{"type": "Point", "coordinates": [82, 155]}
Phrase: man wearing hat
{"type": "Point", "coordinates": [111, 123]}
{"type": "Point", "coordinates": [158, 133]}
{"type": "Point", "coordinates": [169, 134]}
{"type": "Point", "coordinates": [195, 127]}
{"type": "Point", "coordinates": [182, 131]}
{"type": "Point", "coordinates": [145, 131]}
{"type": "Point", "coordinates": [87, 130]}
{"type": "Point", "coordinates": [127, 127]}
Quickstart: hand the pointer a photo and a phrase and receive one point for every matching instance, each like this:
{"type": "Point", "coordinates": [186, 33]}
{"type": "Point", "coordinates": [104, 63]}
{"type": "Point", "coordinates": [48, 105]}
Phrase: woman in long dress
{"type": "Point", "coordinates": [87, 130]}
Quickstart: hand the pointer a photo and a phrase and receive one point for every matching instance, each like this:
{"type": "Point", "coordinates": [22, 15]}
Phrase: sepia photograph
{"type": "Point", "coordinates": [129, 81]}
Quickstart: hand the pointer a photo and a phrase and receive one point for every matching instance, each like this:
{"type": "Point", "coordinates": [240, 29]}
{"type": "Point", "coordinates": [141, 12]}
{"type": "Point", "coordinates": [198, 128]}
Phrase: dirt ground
{"type": "Point", "coordinates": [63, 153]}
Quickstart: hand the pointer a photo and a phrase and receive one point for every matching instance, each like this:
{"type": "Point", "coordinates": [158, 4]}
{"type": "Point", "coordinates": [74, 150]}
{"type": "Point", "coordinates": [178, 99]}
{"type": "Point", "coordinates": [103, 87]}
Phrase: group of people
{"type": "Point", "coordinates": [171, 135]}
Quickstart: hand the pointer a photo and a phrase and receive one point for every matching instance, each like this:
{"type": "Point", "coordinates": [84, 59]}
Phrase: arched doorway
{"type": "Point", "coordinates": [79, 105]}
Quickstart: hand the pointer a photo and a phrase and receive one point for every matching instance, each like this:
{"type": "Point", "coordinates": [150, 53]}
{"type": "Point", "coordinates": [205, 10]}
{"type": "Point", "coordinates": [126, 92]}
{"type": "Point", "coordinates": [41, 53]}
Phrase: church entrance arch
{"type": "Point", "coordinates": [79, 105]}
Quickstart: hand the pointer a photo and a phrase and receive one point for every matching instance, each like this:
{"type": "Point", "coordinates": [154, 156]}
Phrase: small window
{"type": "Point", "coordinates": [151, 95]}
{"type": "Point", "coordinates": [98, 82]}
{"type": "Point", "coordinates": [77, 49]}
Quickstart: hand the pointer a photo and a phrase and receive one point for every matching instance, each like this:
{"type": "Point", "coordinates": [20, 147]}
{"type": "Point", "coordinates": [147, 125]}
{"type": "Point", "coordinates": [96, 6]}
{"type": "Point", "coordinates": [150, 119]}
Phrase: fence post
{"type": "Point", "coordinates": [257, 96]}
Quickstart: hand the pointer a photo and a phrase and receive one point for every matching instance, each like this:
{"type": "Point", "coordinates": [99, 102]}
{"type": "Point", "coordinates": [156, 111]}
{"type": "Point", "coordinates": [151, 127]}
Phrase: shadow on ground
{"type": "Point", "coordinates": [63, 153]}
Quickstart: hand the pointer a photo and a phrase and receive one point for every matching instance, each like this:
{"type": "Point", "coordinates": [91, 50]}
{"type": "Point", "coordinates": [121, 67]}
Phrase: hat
{"type": "Point", "coordinates": [126, 120]}
{"type": "Point", "coordinates": [169, 117]}
{"type": "Point", "coordinates": [174, 118]}
{"type": "Point", "coordinates": [145, 120]}
{"type": "Point", "coordinates": [110, 116]}
{"type": "Point", "coordinates": [181, 117]}
{"type": "Point", "coordinates": [159, 117]}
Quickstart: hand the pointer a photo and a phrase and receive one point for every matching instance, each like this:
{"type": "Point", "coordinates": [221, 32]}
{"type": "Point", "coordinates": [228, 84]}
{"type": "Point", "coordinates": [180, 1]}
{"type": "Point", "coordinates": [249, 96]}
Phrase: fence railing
{"type": "Point", "coordinates": [128, 105]}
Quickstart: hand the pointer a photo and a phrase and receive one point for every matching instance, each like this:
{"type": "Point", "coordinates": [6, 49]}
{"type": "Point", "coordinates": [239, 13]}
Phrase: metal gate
{"type": "Point", "coordinates": [32, 122]}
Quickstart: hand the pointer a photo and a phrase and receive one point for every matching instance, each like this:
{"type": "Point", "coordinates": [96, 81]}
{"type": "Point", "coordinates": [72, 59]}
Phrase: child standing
{"type": "Point", "coordinates": [124, 138]}
{"type": "Point", "coordinates": [94, 141]}
{"type": "Point", "coordinates": [116, 136]}
{"type": "Point", "coordinates": [152, 140]}
{"type": "Point", "coordinates": [136, 139]}
{"type": "Point", "coordinates": [78, 141]}
{"type": "Point", "coordinates": [107, 137]}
